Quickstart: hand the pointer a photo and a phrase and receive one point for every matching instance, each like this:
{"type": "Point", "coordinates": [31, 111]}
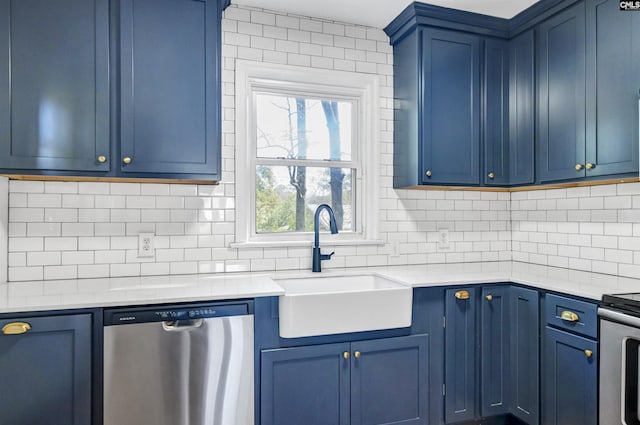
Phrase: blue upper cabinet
{"type": "Point", "coordinates": [170, 87]}
{"type": "Point", "coordinates": [54, 85]}
{"type": "Point", "coordinates": [561, 95]}
{"type": "Point", "coordinates": [613, 81]}
{"type": "Point", "coordinates": [496, 112]}
{"type": "Point", "coordinates": [450, 130]}
{"type": "Point", "coordinates": [522, 109]}
{"type": "Point", "coordinates": [46, 371]}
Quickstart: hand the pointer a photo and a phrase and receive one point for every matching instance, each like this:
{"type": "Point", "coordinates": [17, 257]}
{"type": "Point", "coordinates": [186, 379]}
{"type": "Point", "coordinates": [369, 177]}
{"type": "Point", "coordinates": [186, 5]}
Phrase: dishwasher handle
{"type": "Point", "coordinates": [181, 325]}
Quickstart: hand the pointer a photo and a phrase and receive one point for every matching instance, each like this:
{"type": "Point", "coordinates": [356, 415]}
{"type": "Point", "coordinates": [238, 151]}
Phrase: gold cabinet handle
{"type": "Point", "coordinates": [491, 176]}
{"type": "Point", "coordinates": [588, 353]}
{"type": "Point", "coordinates": [102, 159]}
{"type": "Point", "coordinates": [357, 354]}
{"type": "Point", "coordinates": [579, 167]}
{"type": "Point", "coordinates": [16, 328]}
{"type": "Point", "coordinates": [590, 166]}
{"type": "Point", "coordinates": [428, 173]}
{"type": "Point", "coordinates": [569, 316]}
{"type": "Point", "coordinates": [127, 160]}
{"type": "Point", "coordinates": [462, 295]}
{"type": "Point", "coordinates": [489, 297]}
{"type": "Point", "coordinates": [346, 355]}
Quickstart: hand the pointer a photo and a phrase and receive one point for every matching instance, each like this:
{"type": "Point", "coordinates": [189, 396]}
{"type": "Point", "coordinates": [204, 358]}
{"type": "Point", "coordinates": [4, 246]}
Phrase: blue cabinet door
{"type": "Point", "coordinates": [451, 108]}
{"type": "Point", "coordinates": [496, 112]}
{"type": "Point", "coordinates": [54, 85]}
{"type": "Point", "coordinates": [390, 381]}
{"type": "Point", "coordinates": [524, 388]}
{"type": "Point", "coordinates": [46, 372]}
{"type": "Point", "coordinates": [305, 385]}
{"type": "Point", "coordinates": [170, 87]}
{"type": "Point", "coordinates": [494, 329]}
{"type": "Point", "coordinates": [561, 95]}
{"type": "Point", "coordinates": [570, 385]}
{"type": "Point", "coordinates": [613, 80]}
{"type": "Point", "coordinates": [460, 355]}
{"type": "Point", "coordinates": [521, 109]}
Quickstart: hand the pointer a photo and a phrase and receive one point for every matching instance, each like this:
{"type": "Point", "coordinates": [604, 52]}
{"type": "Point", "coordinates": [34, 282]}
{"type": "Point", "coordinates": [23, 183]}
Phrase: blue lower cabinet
{"type": "Point", "coordinates": [390, 381]}
{"type": "Point", "coordinates": [460, 355]}
{"type": "Point", "coordinates": [306, 385]}
{"type": "Point", "coordinates": [45, 371]}
{"type": "Point", "coordinates": [373, 382]}
{"type": "Point", "coordinates": [524, 354]}
{"type": "Point", "coordinates": [570, 385]}
{"type": "Point", "coordinates": [494, 366]}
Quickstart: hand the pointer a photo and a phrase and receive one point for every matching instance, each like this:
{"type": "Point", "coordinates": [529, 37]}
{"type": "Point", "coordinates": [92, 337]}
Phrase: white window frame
{"type": "Point", "coordinates": [259, 77]}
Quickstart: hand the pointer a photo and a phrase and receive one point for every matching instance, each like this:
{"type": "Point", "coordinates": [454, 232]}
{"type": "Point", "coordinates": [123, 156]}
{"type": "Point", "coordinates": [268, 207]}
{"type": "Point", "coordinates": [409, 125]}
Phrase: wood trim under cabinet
{"type": "Point", "coordinates": [527, 188]}
{"type": "Point", "coordinates": [107, 179]}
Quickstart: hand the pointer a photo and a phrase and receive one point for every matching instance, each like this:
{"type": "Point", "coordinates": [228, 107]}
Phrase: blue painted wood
{"type": "Point", "coordinates": [46, 372]}
{"type": "Point", "coordinates": [524, 370]}
{"type": "Point", "coordinates": [570, 379]}
{"type": "Point", "coordinates": [494, 351]}
{"type": "Point", "coordinates": [496, 112]}
{"type": "Point", "coordinates": [561, 95]}
{"type": "Point", "coordinates": [522, 109]}
{"type": "Point", "coordinates": [305, 385]}
{"type": "Point", "coordinates": [460, 357]}
{"type": "Point", "coordinates": [587, 323]}
{"type": "Point", "coordinates": [613, 81]}
{"type": "Point", "coordinates": [451, 114]}
{"type": "Point", "coordinates": [170, 86]}
{"type": "Point", "coordinates": [54, 85]}
{"type": "Point", "coordinates": [408, 110]}
{"type": "Point", "coordinates": [390, 381]}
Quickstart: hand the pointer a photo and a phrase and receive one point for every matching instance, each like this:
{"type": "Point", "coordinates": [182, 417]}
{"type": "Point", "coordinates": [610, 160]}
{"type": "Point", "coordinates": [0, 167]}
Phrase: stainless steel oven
{"type": "Point", "coordinates": [619, 367]}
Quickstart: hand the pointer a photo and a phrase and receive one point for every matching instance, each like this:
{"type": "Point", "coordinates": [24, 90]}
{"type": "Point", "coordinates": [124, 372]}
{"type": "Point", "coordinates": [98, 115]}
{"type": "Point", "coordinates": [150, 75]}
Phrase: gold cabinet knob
{"type": "Point", "coordinates": [590, 166]}
{"type": "Point", "coordinates": [491, 176]}
{"type": "Point", "coordinates": [127, 160]}
{"type": "Point", "coordinates": [346, 355]}
{"type": "Point", "coordinates": [428, 173]}
{"type": "Point", "coordinates": [579, 167]}
{"type": "Point", "coordinates": [569, 316]}
{"type": "Point", "coordinates": [102, 159]}
{"type": "Point", "coordinates": [489, 297]}
{"type": "Point", "coordinates": [462, 295]}
{"type": "Point", "coordinates": [16, 328]}
{"type": "Point", "coordinates": [357, 354]}
{"type": "Point", "coordinates": [588, 353]}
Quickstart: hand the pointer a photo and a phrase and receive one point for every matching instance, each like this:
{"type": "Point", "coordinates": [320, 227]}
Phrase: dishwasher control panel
{"type": "Point", "coordinates": [123, 316]}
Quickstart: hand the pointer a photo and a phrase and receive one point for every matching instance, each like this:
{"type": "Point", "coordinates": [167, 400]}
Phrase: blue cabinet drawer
{"type": "Point", "coordinates": [572, 315]}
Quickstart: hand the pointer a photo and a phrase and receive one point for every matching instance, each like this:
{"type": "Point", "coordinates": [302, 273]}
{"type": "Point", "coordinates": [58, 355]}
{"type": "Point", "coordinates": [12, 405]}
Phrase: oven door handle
{"type": "Point", "coordinates": [616, 316]}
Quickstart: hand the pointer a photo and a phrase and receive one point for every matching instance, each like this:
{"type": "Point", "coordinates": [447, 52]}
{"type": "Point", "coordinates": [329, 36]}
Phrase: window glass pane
{"type": "Point", "coordinates": [287, 197]}
{"type": "Point", "coordinates": [303, 128]}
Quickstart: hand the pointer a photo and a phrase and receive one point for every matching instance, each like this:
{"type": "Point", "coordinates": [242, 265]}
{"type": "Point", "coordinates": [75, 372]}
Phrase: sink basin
{"type": "Point", "coordinates": [327, 305]}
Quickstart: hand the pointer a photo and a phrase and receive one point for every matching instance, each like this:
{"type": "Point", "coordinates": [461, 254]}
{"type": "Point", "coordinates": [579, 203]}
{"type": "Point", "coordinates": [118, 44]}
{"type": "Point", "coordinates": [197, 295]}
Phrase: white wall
{"type": "Point", "coordinates": [4, 224]}
{"type": "Point", "coordinates": [68, 230]}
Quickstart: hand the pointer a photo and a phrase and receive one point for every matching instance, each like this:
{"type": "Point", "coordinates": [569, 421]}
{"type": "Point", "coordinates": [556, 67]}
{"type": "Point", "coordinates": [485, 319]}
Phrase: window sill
{"type": "Point", "coordinates": [298, 244]}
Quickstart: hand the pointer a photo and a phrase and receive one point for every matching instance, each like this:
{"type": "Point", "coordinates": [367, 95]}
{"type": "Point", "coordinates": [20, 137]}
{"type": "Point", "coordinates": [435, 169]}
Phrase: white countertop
{"type": "Point", "coordinates": [84, 293]}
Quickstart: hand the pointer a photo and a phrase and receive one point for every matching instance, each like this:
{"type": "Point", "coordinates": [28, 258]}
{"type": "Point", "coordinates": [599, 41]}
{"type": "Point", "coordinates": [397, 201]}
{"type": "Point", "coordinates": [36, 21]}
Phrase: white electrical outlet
{"type": "Point", "coordinates": [443, 240]}
{"type": "Point", "coordinates": [395, 249]}
{"type": "Point", "coordinates": [146, 245]}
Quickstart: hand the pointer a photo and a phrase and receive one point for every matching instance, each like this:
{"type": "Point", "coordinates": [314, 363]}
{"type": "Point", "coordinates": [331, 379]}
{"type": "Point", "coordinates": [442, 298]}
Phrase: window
{"type": "Point", "coordinates": [304, 137]}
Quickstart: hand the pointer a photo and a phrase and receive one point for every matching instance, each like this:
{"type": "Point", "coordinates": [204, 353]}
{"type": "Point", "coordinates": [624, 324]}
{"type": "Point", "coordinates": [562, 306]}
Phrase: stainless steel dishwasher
{"type": "Point", "coordinates": [179, 365]}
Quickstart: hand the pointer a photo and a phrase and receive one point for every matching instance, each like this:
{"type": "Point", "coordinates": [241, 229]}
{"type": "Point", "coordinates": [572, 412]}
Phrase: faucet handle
{"type": "Point", "coordinates": [326, 256]}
